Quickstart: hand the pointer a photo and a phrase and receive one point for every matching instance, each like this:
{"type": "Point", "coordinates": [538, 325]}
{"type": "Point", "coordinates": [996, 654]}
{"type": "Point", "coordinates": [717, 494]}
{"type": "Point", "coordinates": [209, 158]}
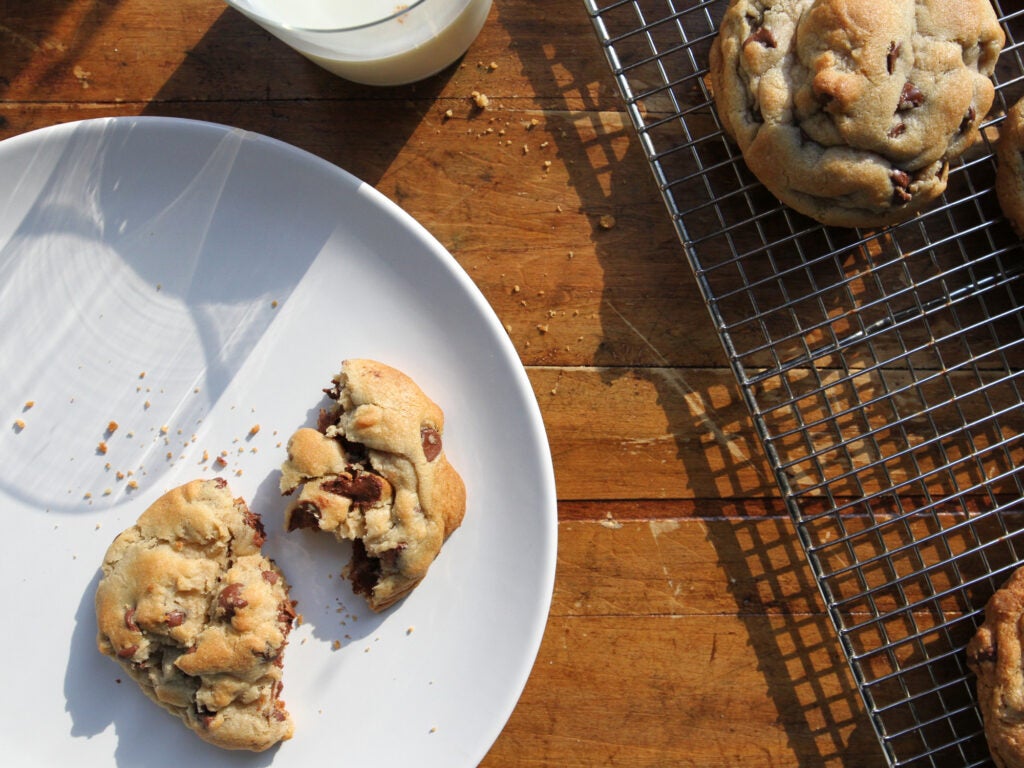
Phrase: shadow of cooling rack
{"type": "Point", "coordinates": [883, 371]}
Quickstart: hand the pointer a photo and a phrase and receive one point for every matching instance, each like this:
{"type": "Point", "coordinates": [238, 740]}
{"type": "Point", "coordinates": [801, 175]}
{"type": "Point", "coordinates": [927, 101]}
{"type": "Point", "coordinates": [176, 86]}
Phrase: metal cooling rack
{"type": "Point", "coordinates": [883, 371]}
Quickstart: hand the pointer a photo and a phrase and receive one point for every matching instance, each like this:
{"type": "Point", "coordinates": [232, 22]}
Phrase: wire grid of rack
{"type": "Point", "coordinates": [883, 371]}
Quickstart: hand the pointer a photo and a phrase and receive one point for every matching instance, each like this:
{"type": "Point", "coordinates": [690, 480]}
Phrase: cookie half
{"type": "Point", "coordinates": [850, 111]}
{"type": "Point", "coordinates": [375, 472]}
{"type": "Point", "coordinates": [1010, 167]}
{"type": "Point", "coordinates": [199, 617]}
{"type": "Point", "coordinates": [994, 654]}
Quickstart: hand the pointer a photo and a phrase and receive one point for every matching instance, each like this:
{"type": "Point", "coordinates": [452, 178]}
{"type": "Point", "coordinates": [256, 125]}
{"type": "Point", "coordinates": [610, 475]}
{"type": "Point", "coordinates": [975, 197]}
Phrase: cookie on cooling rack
{"type": "Point", "coordinates": [1010, 168]}
{"type": "Point", "coordinates": [994, 655]}
{"type": "Point", "coordinates": [199, 617]}
{"type": "Point", "coordinates": [850, 111]}
{"type": "Point", "coordinates": [375, 472]}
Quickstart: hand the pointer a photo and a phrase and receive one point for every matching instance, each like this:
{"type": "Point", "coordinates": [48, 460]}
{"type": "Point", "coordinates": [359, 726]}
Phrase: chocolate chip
{"type": "Point", "coordinates": [897, 130]}
{"type": "Point", "coordinates": [129, 620]}
{"type": "Point", "coordinates": [361, 487]}
{"type": "Point", "coordinates": [910, 97]}
{"type": "Point", "coordinates": [231, 600]}
{"type": "Point", "coordinates": [968, 121]}
{"type": "Point", "coordinates": [269, 576]}
{"type": "Point", "coordinates": [891, 56]}
{"type": "Point", "coordinates": [325, 419]}
{"type": "Point", "coordinates": [174, 618]}
{"type": "Point", "coordinates": [761, 35]}
{"type": "Point", "coordinates": [253, 521]}
{"type": "Point", "coordinates": [901, 186]}
{"type": "Point", "coordinates": [431, 440]}
{"type": "Point", "coordinates": [127, 652]}
{"type": "Point", "coordinates": [286, 612]}
{"type": "Point", "coordinates": [304, 515]}
{"type": "Point", "coordinates": [985, 655]}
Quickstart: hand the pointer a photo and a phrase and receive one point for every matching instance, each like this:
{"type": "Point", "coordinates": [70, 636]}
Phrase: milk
{"type": "Point", "coordinates": [365, 41]}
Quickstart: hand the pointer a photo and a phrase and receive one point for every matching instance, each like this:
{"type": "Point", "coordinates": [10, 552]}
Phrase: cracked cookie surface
{"type": "Point", "coordinates": [199, 617]}
{"type": "Point", "coordinates": [849, 111]}
{"type": "Point", "coordinates": [375, 472]}
{"type": "Point", "coordinates": [994, 654]}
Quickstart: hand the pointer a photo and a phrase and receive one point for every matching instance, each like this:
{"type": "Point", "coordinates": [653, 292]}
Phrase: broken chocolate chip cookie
{"type": "Point", "coordinates": [374, 471]}
{"type": "Point", "coordinates": [194, 612]}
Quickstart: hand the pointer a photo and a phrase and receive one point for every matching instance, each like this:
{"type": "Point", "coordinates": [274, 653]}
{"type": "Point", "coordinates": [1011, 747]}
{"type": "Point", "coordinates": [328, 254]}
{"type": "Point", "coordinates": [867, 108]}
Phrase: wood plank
{"type": "Point", "coordinates": [712, 634]}
{"type": "Point", "coordinates": [197, 50]}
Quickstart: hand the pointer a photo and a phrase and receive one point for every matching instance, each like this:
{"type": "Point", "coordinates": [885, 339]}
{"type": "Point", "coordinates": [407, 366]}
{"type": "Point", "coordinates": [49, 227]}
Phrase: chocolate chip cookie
{"type": "Point", "coordinates": [1010, 168]}
{"type": "Point", "coordinates": [374, 472]}
{"type": "Point", "coordinates": [199, 617]}
{"type": "Point", "coordinates": [850, 111]}
{"type": "Point", "coordinates": [994, 655]}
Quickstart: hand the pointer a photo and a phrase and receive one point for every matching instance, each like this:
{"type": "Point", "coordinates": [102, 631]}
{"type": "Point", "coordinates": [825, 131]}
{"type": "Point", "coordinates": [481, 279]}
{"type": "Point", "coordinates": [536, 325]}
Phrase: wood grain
{"type": "Point", "coordinates": [686, 627]}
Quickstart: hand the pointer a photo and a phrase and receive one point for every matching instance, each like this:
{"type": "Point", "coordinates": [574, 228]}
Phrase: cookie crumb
{"type": "Point", "coordinates": [19, 424]}
{"type": "Point", "coordinates": [29, 404]}
{"type": "Point", "coordinates": [336, 645]}
{"type": "Point", "coordinates": [273, 304]}
{"type": "Point", "coordinates": [480, 99]}
{"type": "Point", "coordinates": [112, 427]}
{"type": "Point", "coordinates": [133, 484]}
{"type": "Point", "coordinates": [409, 630]}
{"type": "Point", "coordinates": [102, 447]}
{"type": "Point", "coordinates": [607, 221]}
{"type": "Point", "coordinates": [254, 429]}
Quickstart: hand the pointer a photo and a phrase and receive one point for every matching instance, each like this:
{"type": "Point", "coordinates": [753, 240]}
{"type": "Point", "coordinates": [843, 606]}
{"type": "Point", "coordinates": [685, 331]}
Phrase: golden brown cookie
{"type": "Point", "coordinates": [994, 655]}
{"type": "Point", "coordinates": [198, 617]}
{"type": "Point", "coordinates": [375, 472]}
{"type": "Point", "coordinates": [1010, 168]}
{"type": "Point", "coordinates": [850, 111]}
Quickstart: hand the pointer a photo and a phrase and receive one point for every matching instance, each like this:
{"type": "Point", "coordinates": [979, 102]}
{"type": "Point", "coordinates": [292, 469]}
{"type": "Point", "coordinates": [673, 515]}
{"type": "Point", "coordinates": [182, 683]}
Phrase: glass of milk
{"type": "Point", "coordinates": [376, 42]}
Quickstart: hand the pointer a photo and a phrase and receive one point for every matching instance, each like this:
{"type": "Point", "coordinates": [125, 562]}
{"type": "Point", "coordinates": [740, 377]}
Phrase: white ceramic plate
{"type": "Point", "coordinates": [189, 282]}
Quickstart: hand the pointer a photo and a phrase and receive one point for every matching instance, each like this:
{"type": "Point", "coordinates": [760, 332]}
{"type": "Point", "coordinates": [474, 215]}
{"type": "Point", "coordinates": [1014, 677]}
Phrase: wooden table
{"type": "Point", "coordinates": [685, 627]}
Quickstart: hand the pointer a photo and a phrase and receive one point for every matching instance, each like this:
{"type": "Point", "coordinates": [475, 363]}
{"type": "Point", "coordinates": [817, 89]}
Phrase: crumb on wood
{"type": "Point", "coordinates": [480, 100]}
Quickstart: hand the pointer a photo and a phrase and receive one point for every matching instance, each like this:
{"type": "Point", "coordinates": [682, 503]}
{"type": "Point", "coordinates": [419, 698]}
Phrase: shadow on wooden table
{"type": "Point", "coordinates": [22, 27]}
{"type": "Point", "coordinates": [648, 322]}
{"type": "Point", "coordinates": [240, 75]}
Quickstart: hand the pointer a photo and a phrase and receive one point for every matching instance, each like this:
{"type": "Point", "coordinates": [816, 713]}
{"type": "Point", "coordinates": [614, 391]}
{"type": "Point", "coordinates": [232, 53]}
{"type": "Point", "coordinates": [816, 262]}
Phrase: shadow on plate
{"type": "Point", "coordinates": [141, 265]}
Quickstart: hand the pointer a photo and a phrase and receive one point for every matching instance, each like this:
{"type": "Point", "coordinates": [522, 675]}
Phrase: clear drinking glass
{"type": "Point", "coordinates": [376, 42]}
